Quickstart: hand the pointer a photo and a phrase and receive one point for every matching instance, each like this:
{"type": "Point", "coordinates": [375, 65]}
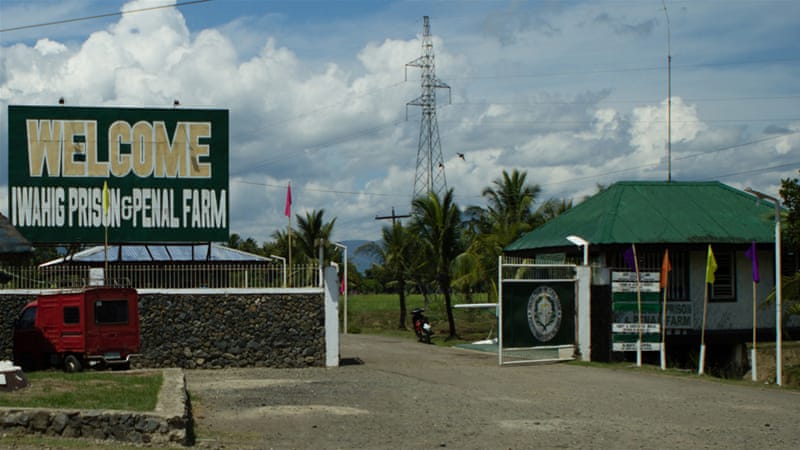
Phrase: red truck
{"type": "Point", "coordinates": [76, 328]}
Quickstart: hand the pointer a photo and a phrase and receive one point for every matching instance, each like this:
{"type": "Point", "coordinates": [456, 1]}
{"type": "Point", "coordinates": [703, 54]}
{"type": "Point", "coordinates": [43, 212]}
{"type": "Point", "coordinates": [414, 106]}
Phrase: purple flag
{"type": "Point", "coordinates": [751, 253]}
{"type": "Point", "coordinates": [630, 259]}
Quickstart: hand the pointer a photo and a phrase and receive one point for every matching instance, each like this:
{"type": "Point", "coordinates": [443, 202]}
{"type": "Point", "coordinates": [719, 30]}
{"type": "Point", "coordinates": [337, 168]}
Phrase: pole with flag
{"type": "Point", "coordinates": [753, 256]}
{"type": "Point", "coordinates": [287, 211]}
{"type": "Point", "coordinates": [633, 261]}
{"type": "Point", "coordinates": [666, 268]}
{"type": "Point", "coordinates": [106, 201]}
{"type": "Point", "coordinates": [711, 269]}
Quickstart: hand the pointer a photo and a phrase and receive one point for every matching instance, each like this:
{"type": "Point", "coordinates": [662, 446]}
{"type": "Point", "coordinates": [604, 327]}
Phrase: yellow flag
{"type": "Point", "coordinates": [106, 199]}
{"type": "Point", "coordinates": [711, 266]}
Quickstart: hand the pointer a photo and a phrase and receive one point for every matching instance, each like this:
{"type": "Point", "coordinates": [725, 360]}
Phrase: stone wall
{"type": "Point", "coordinates": [139, 428]}
{"type": "Point", "coordinates": [216, 331]}
{"type": "Point", "coordinates": [10, 307]}
{"type": "Point", "coordinates": [211, 331]}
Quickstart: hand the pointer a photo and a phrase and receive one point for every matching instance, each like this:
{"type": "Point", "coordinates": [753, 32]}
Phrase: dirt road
{"type": "Point", "coordinates": [410, 395]}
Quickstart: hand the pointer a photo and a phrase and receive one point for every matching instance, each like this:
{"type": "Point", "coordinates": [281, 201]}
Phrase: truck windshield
{"type": "Point", "coordinates": [110, 311]}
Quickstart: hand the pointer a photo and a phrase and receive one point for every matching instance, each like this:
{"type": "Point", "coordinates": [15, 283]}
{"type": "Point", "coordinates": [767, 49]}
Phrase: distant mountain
{"type": "Point", "coordinates": [362, 261]}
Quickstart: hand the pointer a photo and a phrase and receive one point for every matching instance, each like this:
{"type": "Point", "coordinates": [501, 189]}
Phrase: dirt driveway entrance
{"type": "Point", "coordinates": [410, 395]}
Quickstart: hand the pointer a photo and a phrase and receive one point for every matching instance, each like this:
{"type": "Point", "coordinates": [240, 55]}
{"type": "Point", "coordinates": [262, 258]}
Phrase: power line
{"type": "Point", "coordinates": [324, 191]}
{"type": "Point", "coordinates": [620, 70]}
{"type": "Point", "coordinates": [654, 164]}
{"type": "Point", "coordinates": [763, 169]}
{"type": "Point", "coordinates": [734, 146]}
{"type": "Point", "coordinates": [588, 122]}
{"type": "Point", "coordinates": [99, 16]}
{"type": "Point", "coordinates": [571, 180]}
{"type": "Point", "coordinates": [648, 100]}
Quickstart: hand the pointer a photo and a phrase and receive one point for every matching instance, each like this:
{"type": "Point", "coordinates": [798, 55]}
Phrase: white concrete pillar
{"type": "Point", "coordinates": [332, 349]}
{"type": "Point", "coordinates": [583, 302]}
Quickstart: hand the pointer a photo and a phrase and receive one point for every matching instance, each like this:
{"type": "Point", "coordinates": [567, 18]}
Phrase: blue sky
{"type": "Point", "coordinates": [573, 92]}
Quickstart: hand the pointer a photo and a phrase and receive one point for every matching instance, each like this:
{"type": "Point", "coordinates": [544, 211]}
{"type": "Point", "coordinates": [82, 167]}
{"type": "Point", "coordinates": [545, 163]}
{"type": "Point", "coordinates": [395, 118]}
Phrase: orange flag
{"type": "Point", "coordinates": [666, 268]}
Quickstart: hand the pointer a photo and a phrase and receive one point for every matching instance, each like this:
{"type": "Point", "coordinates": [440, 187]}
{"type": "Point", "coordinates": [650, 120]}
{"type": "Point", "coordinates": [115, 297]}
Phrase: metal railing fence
{"type": "Point", "coordinates": [161, 276]}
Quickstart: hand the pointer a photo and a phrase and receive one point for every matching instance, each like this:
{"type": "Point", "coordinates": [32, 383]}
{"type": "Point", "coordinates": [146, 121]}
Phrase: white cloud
{"type": "Point", "coordinates": [649, 128]}
{"type": "Point", "coordinates": [572, 93]}
{"type": "Point", "coordinates": [47, 47]}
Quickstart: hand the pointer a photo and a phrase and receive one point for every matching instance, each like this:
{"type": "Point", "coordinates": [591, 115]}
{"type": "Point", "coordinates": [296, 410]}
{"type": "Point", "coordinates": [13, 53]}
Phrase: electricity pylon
{"type": "Point", "coordinates": [430, 164]}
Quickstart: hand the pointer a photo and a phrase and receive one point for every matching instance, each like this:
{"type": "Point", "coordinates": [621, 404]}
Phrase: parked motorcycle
{"type": "Point", "coordinates": [422, 326]}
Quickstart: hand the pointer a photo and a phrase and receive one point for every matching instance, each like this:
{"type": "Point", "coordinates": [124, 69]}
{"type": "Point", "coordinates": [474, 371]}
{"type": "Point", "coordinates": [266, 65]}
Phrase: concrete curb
{"type": "Point", "coordinates": [170, 422]}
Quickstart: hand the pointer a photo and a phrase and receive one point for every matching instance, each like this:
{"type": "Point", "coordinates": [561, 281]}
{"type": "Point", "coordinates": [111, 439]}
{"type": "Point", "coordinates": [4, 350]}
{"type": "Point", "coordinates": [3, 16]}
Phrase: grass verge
{"type": "Point", "coordinates": [380, 314]}
{"type": "Point", "coordinates": [87, 390]}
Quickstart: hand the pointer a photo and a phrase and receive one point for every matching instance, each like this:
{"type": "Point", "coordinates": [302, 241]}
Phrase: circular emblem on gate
{"type": "Point", "coordinates": [544, 313]}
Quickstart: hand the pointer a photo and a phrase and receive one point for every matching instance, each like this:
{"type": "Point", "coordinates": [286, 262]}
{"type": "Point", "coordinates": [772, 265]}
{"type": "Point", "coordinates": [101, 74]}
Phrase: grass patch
{"type": "Point", "coordinates": [380, 314]}
{"type": "Point", "coordinates": [87, 390]}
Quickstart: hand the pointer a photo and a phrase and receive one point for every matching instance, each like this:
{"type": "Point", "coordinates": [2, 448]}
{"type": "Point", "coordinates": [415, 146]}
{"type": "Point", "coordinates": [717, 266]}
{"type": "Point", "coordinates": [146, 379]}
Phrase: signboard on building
{"type": "Point", "coordinates": [626, 306]}
{"type": "Point", "coordinates": [166, 172]}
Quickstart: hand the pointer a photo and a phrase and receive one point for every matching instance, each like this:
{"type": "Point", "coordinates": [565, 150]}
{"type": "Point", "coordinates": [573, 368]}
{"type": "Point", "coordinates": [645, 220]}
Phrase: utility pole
{"type": "Point", "coordinates": [430, 164]}
{"type": "Point", "coordinates": [394, 217]}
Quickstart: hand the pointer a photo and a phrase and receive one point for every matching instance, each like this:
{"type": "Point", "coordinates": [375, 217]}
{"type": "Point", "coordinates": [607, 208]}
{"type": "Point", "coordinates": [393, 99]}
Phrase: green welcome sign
{"type": "Point", "coordinates": [141, 175]}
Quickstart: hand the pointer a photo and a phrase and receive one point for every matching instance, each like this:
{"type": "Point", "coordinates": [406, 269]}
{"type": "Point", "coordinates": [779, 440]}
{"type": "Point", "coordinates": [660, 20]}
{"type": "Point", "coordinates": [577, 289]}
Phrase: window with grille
{"type": "Point", "coordinates": [724, 287]}
{"type": "Point", "coordinates": [650, 261]}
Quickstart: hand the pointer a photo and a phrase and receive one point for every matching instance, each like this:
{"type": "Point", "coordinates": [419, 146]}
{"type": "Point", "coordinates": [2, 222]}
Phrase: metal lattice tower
{"type": "Point", "coordinates": [430, 164]}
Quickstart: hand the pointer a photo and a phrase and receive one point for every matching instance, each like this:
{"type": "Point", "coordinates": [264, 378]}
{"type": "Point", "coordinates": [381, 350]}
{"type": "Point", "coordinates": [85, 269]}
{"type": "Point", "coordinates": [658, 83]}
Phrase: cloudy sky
{"type": "Point", "coordinates": [573, 92]}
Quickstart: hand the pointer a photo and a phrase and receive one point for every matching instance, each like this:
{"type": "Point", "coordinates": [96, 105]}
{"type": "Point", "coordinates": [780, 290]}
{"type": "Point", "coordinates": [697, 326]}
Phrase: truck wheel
{"type": "Point", "coordinates": [72, 364]}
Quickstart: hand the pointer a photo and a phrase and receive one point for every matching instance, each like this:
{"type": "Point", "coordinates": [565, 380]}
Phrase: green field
{"type": "Point", "coordinates": [380, 314]}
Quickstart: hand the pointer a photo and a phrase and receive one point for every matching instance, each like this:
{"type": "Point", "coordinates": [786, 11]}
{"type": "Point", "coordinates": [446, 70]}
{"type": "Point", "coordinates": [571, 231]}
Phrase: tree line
{"type": "Point", "coordinates": [445, 249]}
{"type": "Point", "coordinates": [440, 250]}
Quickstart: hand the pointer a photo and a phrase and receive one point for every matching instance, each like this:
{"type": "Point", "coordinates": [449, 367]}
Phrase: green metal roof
{"type": "Point", "coordinates": [659, 212]}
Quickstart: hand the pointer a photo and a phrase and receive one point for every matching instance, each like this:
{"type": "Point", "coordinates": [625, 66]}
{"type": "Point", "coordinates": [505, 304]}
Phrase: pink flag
{"type": "Point", "coordinates": [287, 211]}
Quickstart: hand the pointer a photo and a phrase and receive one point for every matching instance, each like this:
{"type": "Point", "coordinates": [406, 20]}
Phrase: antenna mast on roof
{"type": "Point", "coordinates": [669, 98]}
{"type": "Point", "coordinates": [430, 164]}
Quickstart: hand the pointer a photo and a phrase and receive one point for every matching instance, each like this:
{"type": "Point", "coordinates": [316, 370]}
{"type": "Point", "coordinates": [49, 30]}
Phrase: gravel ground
{"type": "Point", "coordinates": [411, 395]}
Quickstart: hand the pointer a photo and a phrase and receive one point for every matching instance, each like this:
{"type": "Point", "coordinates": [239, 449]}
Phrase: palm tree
{"type": "Point", "coordinates": [477, 266]}
{"type": "Point", "coordinates": [311, 229]}
{"type": "Point", "coordinates": [437, 223]}
{"type": "Point", "coordinates": [279, 244]}
{"type": "Point", "coordinates": [551, 209]}
{"type": "Point", "coordinates": [508, 215]}
{"type": "Point", "coordinates": [395, 254]}
{"type": "Point", "coordinates": [511, 199]}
